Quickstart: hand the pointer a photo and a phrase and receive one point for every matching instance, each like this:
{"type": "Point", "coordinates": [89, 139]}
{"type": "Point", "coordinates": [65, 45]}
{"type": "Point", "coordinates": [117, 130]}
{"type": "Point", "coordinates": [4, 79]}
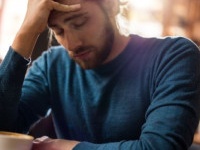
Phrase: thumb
{"type": "Point", "coordinates": [41, 139]}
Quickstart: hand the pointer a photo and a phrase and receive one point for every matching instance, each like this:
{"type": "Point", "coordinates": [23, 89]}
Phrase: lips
{"type": "Point", "coordinates": [82, 55]}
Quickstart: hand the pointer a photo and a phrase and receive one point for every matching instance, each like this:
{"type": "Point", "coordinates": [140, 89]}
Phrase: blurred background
{"type": "Point", "coordinates": [146, 17]}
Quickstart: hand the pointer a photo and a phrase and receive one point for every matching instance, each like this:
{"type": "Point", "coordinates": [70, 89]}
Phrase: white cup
{"type": "Point", "coordinates": [15, 141]}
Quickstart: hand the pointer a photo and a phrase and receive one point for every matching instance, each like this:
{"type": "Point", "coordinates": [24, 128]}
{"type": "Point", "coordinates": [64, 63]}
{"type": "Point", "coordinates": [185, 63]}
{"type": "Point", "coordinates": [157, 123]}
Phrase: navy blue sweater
{"type": "Point", "coordinates": [146, 98]}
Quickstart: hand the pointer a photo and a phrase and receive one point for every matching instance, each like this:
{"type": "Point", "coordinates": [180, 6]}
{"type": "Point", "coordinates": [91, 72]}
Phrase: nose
{"type": "Point", "coordinates": [73, 41]}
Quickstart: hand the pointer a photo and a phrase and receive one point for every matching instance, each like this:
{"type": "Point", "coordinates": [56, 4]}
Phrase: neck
{"type": "Point", "coordinates": [119, 45]}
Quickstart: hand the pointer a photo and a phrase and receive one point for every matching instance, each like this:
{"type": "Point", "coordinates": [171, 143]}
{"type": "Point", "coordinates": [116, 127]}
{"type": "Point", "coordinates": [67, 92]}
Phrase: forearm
{"type": "Point", "coordinates": [35, 22]}
{"type": "Point", "coordinates": [12, 72]}
{"type": "Point", "coordinates": [24, 43]}
{"type": "Point", "coordinates": [125, 145]}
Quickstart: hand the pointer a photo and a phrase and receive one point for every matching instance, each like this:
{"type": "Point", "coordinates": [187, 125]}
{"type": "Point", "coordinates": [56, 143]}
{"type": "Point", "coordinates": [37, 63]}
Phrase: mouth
{"type": "Point", "coordinates": [82, 55]}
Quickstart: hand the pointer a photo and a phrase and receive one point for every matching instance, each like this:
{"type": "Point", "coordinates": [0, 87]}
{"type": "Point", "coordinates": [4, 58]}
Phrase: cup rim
{"type": "Point", "coordinates": [15, 135]}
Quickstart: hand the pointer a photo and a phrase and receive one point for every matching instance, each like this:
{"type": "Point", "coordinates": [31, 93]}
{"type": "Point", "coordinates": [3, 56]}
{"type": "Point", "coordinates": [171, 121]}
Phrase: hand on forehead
{"type": "Point", "coordinates": [70, 3]}
{"type": "Point", "coordinates": [55, 13]}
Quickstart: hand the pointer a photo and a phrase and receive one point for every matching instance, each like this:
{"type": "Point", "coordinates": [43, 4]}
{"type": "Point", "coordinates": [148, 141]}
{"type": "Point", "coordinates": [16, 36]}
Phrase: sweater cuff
{"type": "Point", "coordinates": [13, 55]}
{"type": "Point", "coordinates": [16, 56]}
{"type": "Point", "coordinates": [16, 63]}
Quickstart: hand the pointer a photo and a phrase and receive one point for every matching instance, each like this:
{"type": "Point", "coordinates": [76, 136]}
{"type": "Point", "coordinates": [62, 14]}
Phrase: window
{"type": "Point", "coordinates": [11, 16]}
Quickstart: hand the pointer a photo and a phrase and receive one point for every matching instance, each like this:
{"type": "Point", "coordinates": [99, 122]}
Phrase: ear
{"type": "Point", "coordinates": [111, 6]}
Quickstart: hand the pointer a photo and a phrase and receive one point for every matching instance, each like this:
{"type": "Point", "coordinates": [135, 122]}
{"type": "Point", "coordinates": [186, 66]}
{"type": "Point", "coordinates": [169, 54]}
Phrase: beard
{"type": "Point", "coordinates": [98, 54]}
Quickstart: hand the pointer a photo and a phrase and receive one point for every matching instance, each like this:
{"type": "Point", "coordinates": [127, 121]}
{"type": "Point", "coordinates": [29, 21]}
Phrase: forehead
{"type": "Point", "coordinates": [86, 6]}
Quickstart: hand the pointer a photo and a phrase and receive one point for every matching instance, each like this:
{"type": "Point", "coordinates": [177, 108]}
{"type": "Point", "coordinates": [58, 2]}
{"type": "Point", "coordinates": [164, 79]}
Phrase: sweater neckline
{"type": "Point", "coordinates": [116, 62]}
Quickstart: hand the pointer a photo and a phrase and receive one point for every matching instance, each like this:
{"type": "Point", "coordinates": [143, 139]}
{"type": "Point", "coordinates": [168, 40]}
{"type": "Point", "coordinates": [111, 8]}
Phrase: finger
{"type": "Point", "coordinates": [65, 8]}
{"type": "Point", "coordinates": [41, 139]}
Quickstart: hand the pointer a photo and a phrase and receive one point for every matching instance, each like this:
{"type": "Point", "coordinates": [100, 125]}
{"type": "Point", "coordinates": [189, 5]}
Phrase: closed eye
{"type": "Point", "coordinates": [79, 22]}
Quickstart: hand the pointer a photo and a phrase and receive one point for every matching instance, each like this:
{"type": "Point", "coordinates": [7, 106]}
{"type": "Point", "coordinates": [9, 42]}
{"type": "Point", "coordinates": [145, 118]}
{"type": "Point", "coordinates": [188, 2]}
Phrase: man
{"type": "Point", "coordinates": [106, 90]}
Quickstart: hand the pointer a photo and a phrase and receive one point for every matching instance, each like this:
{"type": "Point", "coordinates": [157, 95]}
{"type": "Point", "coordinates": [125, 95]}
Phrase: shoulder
{"type": "Point", "coordinates": [168, 42]}
{"type": "Point", "coordinates": [178, 43]}
{"type": "Point", "coordinates": [55, 53]}
{"type": "Point", "coordinates": [167, 46]}
{"type": "Point", "coordinates": [55, 57]}
{"type": "Point", "coordinates": [178, 46]}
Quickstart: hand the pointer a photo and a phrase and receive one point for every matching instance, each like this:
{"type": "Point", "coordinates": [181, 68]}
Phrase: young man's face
{"type": "Point", "coordinates": [87, 34]}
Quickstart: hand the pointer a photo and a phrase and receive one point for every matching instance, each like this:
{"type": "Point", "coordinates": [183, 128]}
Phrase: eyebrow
{"type": "Point", "coordinates": [75, 16]}
{"type": "Point", "coordinates": [72, 17]}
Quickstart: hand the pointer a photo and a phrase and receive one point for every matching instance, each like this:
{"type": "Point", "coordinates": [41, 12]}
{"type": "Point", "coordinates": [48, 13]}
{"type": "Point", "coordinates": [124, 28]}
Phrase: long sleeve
{"type": "Point", "coordinates": [20, 100]}
{"type": "Point", "coordinates": [12, 73]}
